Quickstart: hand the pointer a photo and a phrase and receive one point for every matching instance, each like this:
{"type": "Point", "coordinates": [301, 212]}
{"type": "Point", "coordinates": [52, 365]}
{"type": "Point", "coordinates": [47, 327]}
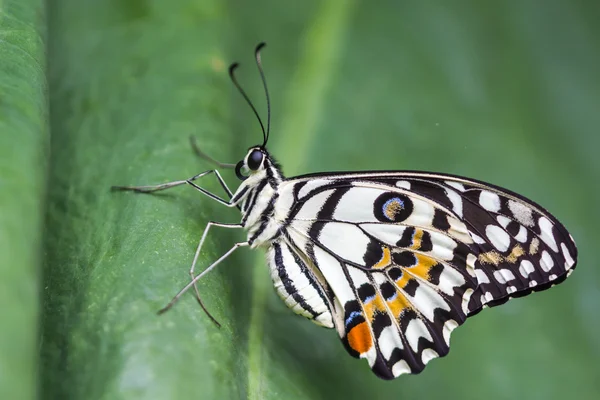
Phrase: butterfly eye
{"type": "Point", "coordinates": [255, 159]}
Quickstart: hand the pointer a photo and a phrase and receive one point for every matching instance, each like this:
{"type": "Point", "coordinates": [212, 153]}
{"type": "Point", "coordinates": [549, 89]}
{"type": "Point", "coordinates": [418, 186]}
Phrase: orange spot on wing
{"type": "Point", "coordinates": [386, 259]}
{"type": "Point", "coordinates": [359, 338]}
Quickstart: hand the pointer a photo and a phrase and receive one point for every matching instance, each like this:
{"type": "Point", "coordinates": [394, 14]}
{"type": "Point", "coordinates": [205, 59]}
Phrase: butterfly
{"type": "Point", "coordinates": [393, 260]}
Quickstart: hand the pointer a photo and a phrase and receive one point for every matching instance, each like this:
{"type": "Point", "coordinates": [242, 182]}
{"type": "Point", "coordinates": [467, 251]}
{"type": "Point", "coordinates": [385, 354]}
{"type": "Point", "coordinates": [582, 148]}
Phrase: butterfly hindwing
{"type": "Point", "coordinates": [299, 284]}
{"type": "Point", "coordinates": [408, 257]}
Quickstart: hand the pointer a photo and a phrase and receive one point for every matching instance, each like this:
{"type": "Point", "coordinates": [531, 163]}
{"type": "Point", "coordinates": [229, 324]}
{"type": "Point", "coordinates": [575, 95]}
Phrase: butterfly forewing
{"type": "Point", "coordinates": [404, 258]}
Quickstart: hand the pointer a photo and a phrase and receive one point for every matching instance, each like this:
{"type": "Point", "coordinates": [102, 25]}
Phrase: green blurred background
{"type": "Point", "coordinates": [506, 92]}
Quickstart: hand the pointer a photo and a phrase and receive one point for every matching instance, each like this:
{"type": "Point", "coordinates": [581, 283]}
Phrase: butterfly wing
{"type": "Point", "coordinates": [409, 256]}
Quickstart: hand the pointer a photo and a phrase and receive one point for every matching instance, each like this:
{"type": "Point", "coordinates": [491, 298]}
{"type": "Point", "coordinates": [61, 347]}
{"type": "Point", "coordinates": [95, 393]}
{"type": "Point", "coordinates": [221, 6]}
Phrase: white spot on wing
{"type": "Point", "coordinates": [481, 276]}
{"type": "Point", "coordinates": [458, 186]}
{"type": "Point", "coordinates": [489, 200]}
{"type": "Point", "coordinates": [568, 259]}
{"type": "Point", "coordinates": [521, 212]}
{"type": "Point", "coordinates": [465, 300]}
{"type": "Point", "coordinates": [498, 237]}
{"type": "Point", "coordinates": [476, 238]}
{"type": "Point", "coordinates": [388, 340]}
{"type": "Point", "coordinates": [526, 268]}
{"type": "Point", "coordinates": [456, 200]}
{"type": "Point", "coordinates": [511, 289]}
{"type": "Point", "coordinates": [403, 184]}
{"type": "Point", "coordinates": [428, 355]}
{"type": "Point", "coordinates": [522, 235]}
{"type": "Point", "coordinates": [488, 297]}
{"type": "Point", "coordinates": [504, 275]}
{"type": "Point", "coordinates": [449, 326]}
{"type": "Point", "coordinates": [546, 261]}
{"type": "Point", "coordinates": [370, 355]}
{"type": "Point", "coordinates": [415, 330]}
{"type": "Point", "coordinates": [471, 259]}
{"type": "Point", "coordinates": [401, 367]}
{"type": "Point", "coordinates": [503, 221]}
{"type": "Point", "coordinates": [449, 279]}
{"type": "Point", "coordinates": [533, 283]}
{"type": "Point", "coordinates": [546, 235]}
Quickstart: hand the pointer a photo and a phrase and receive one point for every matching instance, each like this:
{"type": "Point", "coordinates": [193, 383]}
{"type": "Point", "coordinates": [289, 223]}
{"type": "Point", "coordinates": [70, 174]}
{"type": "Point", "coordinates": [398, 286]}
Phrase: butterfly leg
{"type": "Point", "coordinates": [223, 184]}
{"type": "Point", "coordinates": [197, 278]}
{"type": "Point", "coordinates": [206, 157]}
{"type": "Point", "coordinates": [168, 185]}
{"type": "Point", "coordinates": [163, 186]}
{"type": "Point", "coordinates": [197, 254]}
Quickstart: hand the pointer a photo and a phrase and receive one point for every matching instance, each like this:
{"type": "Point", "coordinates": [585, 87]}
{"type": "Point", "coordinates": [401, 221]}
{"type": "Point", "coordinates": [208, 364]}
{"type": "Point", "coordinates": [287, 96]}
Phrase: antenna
{"type": "Point", "coordinates": [239, 88]}
{"type": "Point", "coordinates": [262, 76]}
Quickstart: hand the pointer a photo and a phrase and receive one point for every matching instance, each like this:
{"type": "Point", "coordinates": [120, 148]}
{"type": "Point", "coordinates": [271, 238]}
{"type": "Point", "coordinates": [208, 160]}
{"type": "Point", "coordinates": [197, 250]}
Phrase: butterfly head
{"type": "Point", "coordinates": [257, 164]}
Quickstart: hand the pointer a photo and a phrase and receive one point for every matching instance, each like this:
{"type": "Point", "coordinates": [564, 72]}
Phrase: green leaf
{"type": "Point", "coordinates": [23, 142]}
{"type": "Point", "coordinates": [502, 92]}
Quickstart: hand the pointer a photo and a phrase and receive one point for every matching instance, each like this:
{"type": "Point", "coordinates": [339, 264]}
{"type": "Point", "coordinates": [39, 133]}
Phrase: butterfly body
{"type": "Point", "coordinates": [393, 260]}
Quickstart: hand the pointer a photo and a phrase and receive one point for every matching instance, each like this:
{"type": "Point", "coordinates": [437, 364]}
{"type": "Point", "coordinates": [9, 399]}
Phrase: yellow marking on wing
{"type": "Point", "coordinates": [516, 252]}
{"type": "Point", "coordinates": [386, 259]}
{"type": "Point", "coordinates": [403, 280]}
{"type": "Point", "coordinates": [398, 305]}
{"type": "Point", "coordinates": [495, 258]}
{"type": "Point", "coordinates": [422, 267]}
{"type": "Point", "coordinates": [491, 257]}
{"type": "Point", "coordinates": [535, 244]}
{"type": "Point", "coordinates": [359, 338]}
{"type": "Point", "coordinates": [373, 306]}
{"type": "Point", "coordinates": [417, 238]}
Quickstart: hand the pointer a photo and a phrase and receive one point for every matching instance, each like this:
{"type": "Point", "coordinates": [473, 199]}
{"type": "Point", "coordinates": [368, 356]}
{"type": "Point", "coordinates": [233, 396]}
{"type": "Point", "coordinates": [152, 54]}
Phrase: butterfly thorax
{"type": "Point", "coordinates": [260, 191]}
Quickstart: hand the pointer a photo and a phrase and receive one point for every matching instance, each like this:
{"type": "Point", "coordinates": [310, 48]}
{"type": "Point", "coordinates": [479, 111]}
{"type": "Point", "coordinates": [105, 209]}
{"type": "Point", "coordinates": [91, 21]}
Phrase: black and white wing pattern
{"type": "Point", "coordinates": [395, 261]}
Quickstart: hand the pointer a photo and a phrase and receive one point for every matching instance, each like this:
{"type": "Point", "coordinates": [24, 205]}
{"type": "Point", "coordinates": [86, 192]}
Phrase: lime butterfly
{"type": "Point", "coordinates": [393, 260]}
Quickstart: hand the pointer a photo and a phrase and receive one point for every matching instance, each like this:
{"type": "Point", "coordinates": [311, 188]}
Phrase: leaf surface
{"type": "Point", "coordinates": [23, 145]}
{"type": "Point", "coordinates": [504, 93]}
